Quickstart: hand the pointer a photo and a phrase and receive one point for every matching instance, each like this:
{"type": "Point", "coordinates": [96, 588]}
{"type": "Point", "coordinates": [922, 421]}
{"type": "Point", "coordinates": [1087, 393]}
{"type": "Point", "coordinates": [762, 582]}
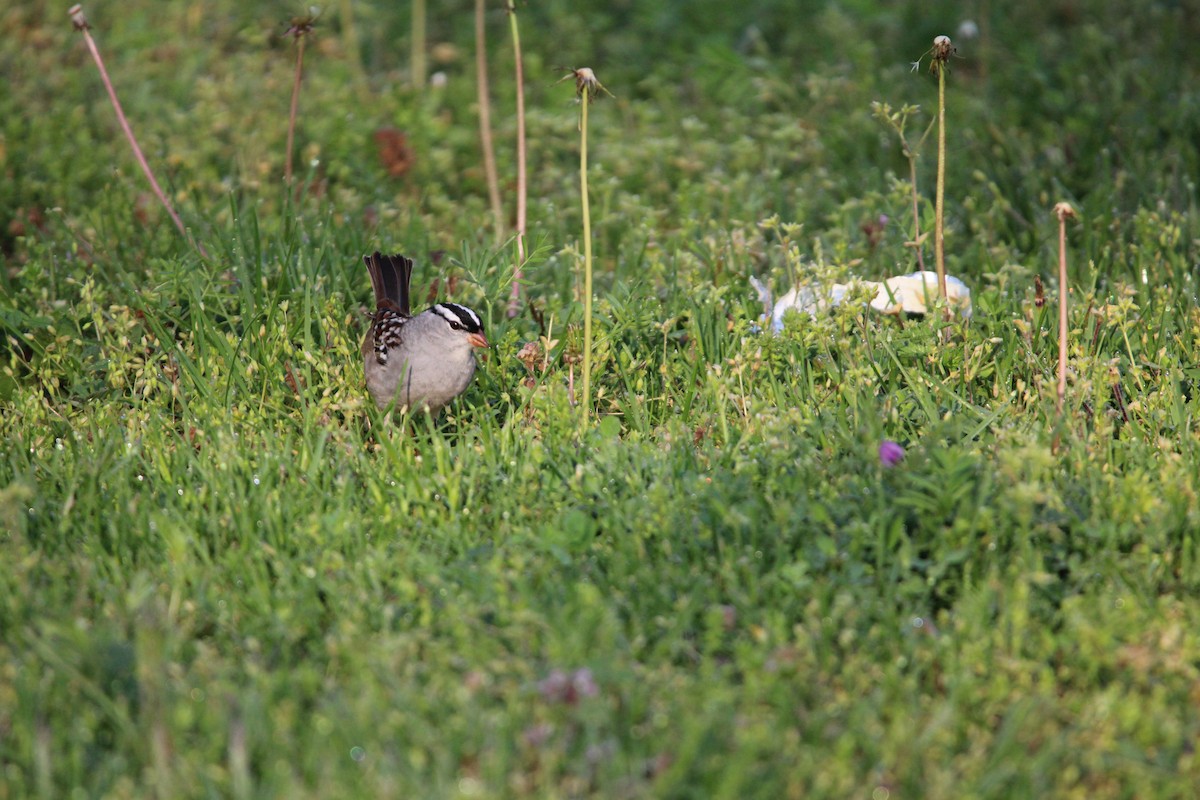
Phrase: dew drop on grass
{"type": "Point", "coordinates": [180, 491]}
{"type": "Point", "coordinates": [256, 480]}
{"type": "Point", "coordinates": [357, 753]}
{"type": "Point", "coordinates": [141, 478]}
{"type": "Point", "coordinates": [917, 622]}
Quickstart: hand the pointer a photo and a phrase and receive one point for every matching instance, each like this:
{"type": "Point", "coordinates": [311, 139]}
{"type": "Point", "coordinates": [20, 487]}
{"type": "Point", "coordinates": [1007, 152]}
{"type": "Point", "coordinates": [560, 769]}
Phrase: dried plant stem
{"type": "Point", "coordinates": [485, 121]}
{"type": "Point", "coordinates": [939, 243]}
{"type": "Point", "coordinates": [291, 132]}
{"type": "Point", "coordinates": [81, 25]}
{"type": "Point", "coordinates": [587, 259]}
{"type": "Point", "coordinates": [417, 58]}
{"type": "Point", "coordinates": [1063, 211]}
{"type": "Point", "coordinates": [519, 67]}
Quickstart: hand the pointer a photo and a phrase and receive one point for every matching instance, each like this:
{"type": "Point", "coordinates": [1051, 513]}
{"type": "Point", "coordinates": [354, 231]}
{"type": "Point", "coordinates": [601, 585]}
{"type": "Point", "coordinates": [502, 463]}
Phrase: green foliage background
{"type": "Point", "coordinates": [225, 575]}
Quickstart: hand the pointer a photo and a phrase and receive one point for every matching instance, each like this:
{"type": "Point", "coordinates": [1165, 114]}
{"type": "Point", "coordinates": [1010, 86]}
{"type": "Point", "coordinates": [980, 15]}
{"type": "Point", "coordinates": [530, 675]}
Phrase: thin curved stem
{"type": "Point", "coordinates": [939, 244]}
{"type": "Point", "coordinates": [291, 132]}
{"type": "Point", "coordinates": [587, 261]}
{"type": "Point", "coordinates": [81, 25]}
{"type": "Point", "coordinates": [519, 66]}
{"type": "Point", "coordinates": [1062, 311]}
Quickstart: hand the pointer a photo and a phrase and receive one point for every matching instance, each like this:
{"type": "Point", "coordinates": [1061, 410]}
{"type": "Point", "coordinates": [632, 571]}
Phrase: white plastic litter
{"type": "Point", "coordinates": [911, 294]}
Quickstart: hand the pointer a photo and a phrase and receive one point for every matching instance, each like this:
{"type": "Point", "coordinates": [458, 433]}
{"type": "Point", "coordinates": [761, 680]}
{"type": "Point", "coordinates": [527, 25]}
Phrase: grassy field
{"type": "Point", "coordinates": [224, 574]}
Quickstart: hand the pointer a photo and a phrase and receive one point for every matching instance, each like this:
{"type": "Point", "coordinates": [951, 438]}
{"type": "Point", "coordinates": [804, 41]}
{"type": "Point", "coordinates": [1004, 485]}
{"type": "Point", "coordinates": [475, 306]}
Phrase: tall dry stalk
{"type": "Point", "coordinates": [417, 55]}
{"type": "Point", "coordinates": [519, 67]}
{"type": "Point", "coordinates": [942, 49]}
{"type": "Point", "coordinates": [485, 122]}
{"type": "Point", "coordinates": [299, 29]}
{"type": "Point", "coordinates": [79, 20]}
{"type": "Point", "coordinates": [587, 89]}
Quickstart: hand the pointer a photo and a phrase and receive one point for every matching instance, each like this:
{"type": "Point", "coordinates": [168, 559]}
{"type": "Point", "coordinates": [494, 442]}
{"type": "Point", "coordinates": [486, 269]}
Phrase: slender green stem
{"type": "Point", "coordinates": [1062, 310]}
{"type": "Point", "coordinates": [417, 58]}
{"type": "Point", "coordinates": [351, 45]}
{"type": "Point", "coordinates": [912, 176]}
{"type": "Point", "coordinates": [587, 261]}
{"type": "Point", "coordinates": [939, 245]}
{"type": "Point", "coordinates": [519, 66]}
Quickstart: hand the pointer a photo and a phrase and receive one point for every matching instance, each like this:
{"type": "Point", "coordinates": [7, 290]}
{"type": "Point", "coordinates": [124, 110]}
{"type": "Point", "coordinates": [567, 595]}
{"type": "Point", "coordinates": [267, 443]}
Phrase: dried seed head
{"type": "Point", "coordinates": [941, 51]}
{"type": "Point", "coordinates": [77, 18]}
{"type": "Point", "coordinates": [1064, 211]}
{"type": "Point", "coordinates": [303, 25]}
{"type": "Point", "coordinates": [587, 85]}
{"type": "Point", "coordinates": [530, 355]}
{"type": "Point", "coordinates": [942, 48]}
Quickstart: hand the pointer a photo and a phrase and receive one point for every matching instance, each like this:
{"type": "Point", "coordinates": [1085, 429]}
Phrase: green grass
{"type": "Point", "coordinates": [224, 575]}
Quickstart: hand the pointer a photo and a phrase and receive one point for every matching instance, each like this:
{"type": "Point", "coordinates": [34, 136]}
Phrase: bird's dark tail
{"type": "Point", "coordinates": [390, 276]}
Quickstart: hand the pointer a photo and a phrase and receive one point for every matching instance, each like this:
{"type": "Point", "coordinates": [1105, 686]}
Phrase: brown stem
{"type": "Point", "coordinates": [939, 240]}
{"type": "Point", "coordinates": [291, 133]}
{"type": "Point", "coordinates": [81, 25]}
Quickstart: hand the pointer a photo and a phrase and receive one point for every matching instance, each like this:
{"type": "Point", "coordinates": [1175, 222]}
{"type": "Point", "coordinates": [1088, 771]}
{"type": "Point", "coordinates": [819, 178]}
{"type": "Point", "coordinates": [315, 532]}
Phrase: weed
{"type": "Point", "coordinates": [299, 30]}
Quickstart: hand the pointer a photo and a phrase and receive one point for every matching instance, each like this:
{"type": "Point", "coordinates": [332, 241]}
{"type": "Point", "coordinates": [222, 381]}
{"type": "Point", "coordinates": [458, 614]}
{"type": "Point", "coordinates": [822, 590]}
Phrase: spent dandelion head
{"type": "Point", "coordinates": [1064, 211]}
{"type": "Point", "coordinates": [78, 19]}
{"type": "Point", "coordinates": [941, 51]}
{"type": "Point", "coordinates": [587, 85]}
{"type": "Point", "coordinates": [303, 25]}
{"type": "Point", "coordinates": [939, 54]}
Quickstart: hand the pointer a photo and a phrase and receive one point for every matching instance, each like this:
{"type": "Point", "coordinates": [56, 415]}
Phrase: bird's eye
{"type": "Point", "coordinates": [456, 326]}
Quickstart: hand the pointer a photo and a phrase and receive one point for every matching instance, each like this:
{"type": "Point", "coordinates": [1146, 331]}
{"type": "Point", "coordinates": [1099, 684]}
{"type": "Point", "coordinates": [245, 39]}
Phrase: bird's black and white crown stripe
{"type": "Point", "coordinates": [453, 312]}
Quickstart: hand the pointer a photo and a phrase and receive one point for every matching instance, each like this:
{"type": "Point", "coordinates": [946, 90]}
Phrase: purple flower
{"type": "Point", "coordinates": [559, 687]}
{"type": "Point", "coordinates": [583, 683]}
{"type": "Point", "coordinates": [555, 686]}
{"type": "Point", "coordinates": [890, 453]}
